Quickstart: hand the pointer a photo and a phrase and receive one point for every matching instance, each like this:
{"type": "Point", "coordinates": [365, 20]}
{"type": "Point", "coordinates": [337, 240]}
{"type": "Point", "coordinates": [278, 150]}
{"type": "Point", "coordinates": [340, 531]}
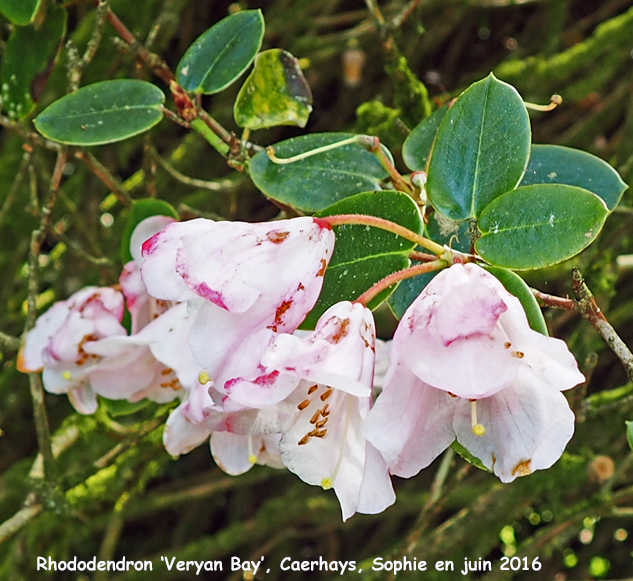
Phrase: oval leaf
{"type": "Point", "coordinates": [141, 209]}
{"type": "Point", "coordinates": [103, 112]}
{"type": "Point", "coordinates": [417, 146]}
{"type": "Point", "coordinates": [275, 93]}
{"type": "Point", "coordinates": [222, 53]}
{"type": "Point", "coordinates": [516, 286]}
{"type": "Point", "coordinates": [364, 255]}
{"type": "Point", "coordinates": [555, 164]}
{"type": "Point", "coordinates": [20, 12]}
{"type": "Point", "coordinates": [24, 73]}
{"type": "Point", "coordinates": [316, 182]}
{"type": "Point", "coordinates": [481, 149]}
{"type": "Point", "coordinates": [539, 225]}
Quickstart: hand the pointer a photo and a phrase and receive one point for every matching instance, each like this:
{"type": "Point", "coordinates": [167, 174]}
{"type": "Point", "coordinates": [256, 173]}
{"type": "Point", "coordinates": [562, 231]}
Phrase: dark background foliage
{"type": "Point", "coordinates": [119, 494]}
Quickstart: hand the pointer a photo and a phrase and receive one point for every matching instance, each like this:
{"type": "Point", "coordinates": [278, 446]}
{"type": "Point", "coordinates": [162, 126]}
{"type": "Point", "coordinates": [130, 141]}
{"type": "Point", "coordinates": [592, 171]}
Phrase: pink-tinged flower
{"type": "Point", "coordinates": [237, 454]}
{"type": "Point", "coordinates": [141, 306]}
{"type": "Point", "coordinates": [59, 344]}
{"type": "Point", "coordinates": [466, 365]}
{"type": "Point", "coordinates": [242, 278]}
{"type": "Point", "coordinates": [155, 363]}
{"type": "Point", "coordinates": [325, 380]}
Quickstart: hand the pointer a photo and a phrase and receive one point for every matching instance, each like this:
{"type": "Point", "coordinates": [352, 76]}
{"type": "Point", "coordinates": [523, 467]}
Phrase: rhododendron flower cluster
{"type": "Point", "coordinates": [215, 308]}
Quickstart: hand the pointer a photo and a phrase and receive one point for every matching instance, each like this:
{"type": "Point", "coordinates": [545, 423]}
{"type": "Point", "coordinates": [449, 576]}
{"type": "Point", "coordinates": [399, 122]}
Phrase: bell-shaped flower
{"type": "Point", "coordinates": [465, 365]}
{"type": "Point", "coordinates": [59, 344]}
{"type": "Point", "coordinates": [325, 380]}
{"type": "Point", "coordinates": [154, 363]}
{"type": "Point", "coordinates": [240, 278]}
{"type": "Point", "coordinates": [143, 308]}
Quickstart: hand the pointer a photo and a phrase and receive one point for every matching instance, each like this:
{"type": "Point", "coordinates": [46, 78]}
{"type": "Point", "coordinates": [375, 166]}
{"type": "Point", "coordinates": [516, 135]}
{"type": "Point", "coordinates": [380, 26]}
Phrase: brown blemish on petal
{"type": "Point", "coordinates": [522, 468]}
{"type": "Point", "coordinates": [281, 310]}
{"type": "Point", "coordinates": [507, 344]}
{"type": "Point", "coordinates": [451, 394]}
{"type": "Point", "coordinates": [342, 331]}
{"type": "Point", "coordinates": [323, 267]}
{"type": "Point", "coordinates": [277, 237]}
{"type": "Point", "coordinates": [494, 461]}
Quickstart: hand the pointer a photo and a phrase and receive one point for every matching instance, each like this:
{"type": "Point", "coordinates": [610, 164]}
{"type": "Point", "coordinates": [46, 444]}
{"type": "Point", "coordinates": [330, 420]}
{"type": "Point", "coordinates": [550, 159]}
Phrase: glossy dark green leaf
{"type": "Point", "coordinates": [275, 93]}
{"type": "Point", "coordinates": [443, 231]}
{"type": "Point", "coordinates": [222, 53]}
{"type": "Point", "coordinates": [481, 149]}
{"type": "Point", "coordinates": [554, 164]}
{"type": "Point", "coordinates": [141, 209]}
{"type": "Point", "coordinates": [23, 73]}
{"type": "Point", "coordinates": [417, 146]}
{"type": "Point", "coordinates": [103, 112]}
{"type": "Point", "coordinates": [318, 181]}
{"type": "Point", "coordinates": [516, 286]}
{"type": "Point", "coordinates": [539, 225]}
{"type": "Point", "coordinates": [20, 12]}
{"type": "Point", "coordinates": [364, 255]}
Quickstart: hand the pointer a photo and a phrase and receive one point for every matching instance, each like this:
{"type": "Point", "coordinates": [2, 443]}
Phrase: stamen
{"type": "Point", "coordinates": [478, 429]}
{"type": "Point", "coordinates": [203, 377]}
{"type": "Point", "coordinates": [325, 411]}
{"type": "Point", "coordinates": [327, 394]}
{"type": "Point", "coordinates": [67, 375]}
{"type": "Point", "coordinates": [315, 417]}
{"type": "Point", "coordinates": [328, 482]}
{"type": "Point", "coordinates": [507, 344]}
{"type": "Point", "coordinates": [518, 354]}
{"type": "Point", "coordinates": [303, 405]}
{"type": "Point", "coordinates": [303, 440]}
{"type": "Point", "coordinates": [312, 389]}
{"type": "Point", "coordinates": [251, 457]}
{"type": "Point", "coordinates": [322, 423]}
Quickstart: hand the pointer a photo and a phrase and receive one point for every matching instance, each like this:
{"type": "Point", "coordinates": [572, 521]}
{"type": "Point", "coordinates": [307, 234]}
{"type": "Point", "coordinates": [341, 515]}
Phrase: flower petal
{"type": "Point", "coordinates": [527, 427]}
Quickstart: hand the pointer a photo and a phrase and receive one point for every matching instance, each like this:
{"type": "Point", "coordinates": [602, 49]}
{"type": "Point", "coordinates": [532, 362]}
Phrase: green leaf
{"type": "Point", "coordinates": [20, 12]}
{"type": "Point", "coordinates": [275, 93]}
{"type": "Point", "coordinates": [629, 433]}
{"type": "Point", "coordinates": [466, 455]}
{"type": "Point", "coordinates": [554, 164]}
{"type": "Point", "coordinates": [417, 146]}
{"type": "Point", "coordinates": [443, 231]}
{"type": "Point", "coordinates": [316, 182]}
{"type": "Point", "coordinates": [120, 407]}
{"type": "Point", "coordinates": [23, 73]}
{"type": "Point", "coordinates": [103, 112]}
{"type": "Point", "coordinates": [364, 255]}
{"type": "Point", "coordinates": [141, 209]}
{"type": "Point", "coordinates": [516, 286]}
{"type": "Point", "coordinates": [222, 53]}
{"type": "Point", "coordinates": [481, 149]}
{"type": "Point", "coordinates": [539, 225]}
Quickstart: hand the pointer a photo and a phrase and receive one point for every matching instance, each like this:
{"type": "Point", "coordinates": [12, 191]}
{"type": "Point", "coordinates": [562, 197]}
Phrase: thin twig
{"type": "Point", "coordinates": [102, 172]}
{"type": "Point", "coordinates": [12, 525]}
{"type": "Point", "coordinates": [9, 342]}
{"type": "Point", "coordinates": [214, 186]}
{"type": "Point", "coordinates": [17, 182]}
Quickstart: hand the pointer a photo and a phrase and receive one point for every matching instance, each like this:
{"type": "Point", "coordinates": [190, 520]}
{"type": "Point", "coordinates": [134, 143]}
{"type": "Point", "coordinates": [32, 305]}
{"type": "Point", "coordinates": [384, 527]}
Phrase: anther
{"type": "Point", "coordinates": [327, 394]}
{"type": "Point", "coordinates": [325, 411]}
{"type": "Point", "coordinates": [518, 354]}
{"type": "Point", "coordinates": [303, 440]}
{"type": "Point", "coordinates": [322, 423]}
{"type": "Point", "coordinates": [312, 389]}
{"type": "Point", "coordinates": [203, 377]}
{"type": "Point", "coordinates": [507, 344]}
{"type": "Point", "coordinates": [303, 405]}
{"type": "Point", "coordinates": [315, 417]}
{"type": "Point", "coordinates": [478, 429]}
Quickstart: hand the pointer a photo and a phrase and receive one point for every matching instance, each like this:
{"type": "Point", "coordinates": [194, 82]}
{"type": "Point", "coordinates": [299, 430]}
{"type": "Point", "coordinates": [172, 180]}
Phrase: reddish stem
{"type": "Point", "coordinates": [386, 282]}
